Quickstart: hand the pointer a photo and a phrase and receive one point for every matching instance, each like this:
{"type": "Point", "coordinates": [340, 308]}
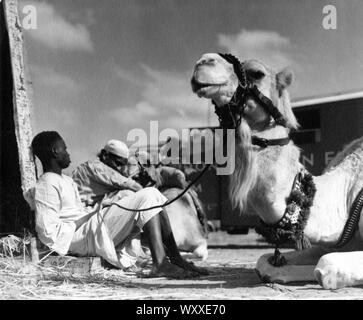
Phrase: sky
{"type": "Point", "coordinates": [99, 69]}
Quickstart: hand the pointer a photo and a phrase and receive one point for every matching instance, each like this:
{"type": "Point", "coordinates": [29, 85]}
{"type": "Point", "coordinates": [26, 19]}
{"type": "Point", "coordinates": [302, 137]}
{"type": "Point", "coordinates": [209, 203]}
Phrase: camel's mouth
{"type": "Point", "coordinates": [198, 87]}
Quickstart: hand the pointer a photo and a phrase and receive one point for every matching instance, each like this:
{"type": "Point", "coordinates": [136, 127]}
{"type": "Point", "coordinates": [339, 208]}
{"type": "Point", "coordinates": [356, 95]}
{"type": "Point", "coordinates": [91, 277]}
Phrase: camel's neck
{"type": "Point", "coordinates": [329, 212]}
{"type": "Point", "coordinates": [269, 131]}
{"type": "Point", "coordinates": [274, 186]}
{"type": "Point", "coordinates": [277, 167]}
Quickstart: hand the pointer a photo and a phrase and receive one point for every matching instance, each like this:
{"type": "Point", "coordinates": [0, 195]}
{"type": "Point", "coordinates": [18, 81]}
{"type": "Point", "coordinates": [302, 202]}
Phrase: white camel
{"type": "Point", "coordinates": [253, 98]}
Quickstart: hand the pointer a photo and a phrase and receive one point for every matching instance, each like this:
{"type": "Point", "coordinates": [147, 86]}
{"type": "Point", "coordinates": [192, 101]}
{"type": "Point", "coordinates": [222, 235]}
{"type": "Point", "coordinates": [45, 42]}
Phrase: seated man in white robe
{"type": "Point", "coordinates": [105, 179]}
{"type": "Point", "coordinates": [65, 226]}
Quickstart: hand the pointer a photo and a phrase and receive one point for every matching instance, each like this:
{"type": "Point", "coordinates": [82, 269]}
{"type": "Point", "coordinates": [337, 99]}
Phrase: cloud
{"type": "Point", "coordinates": [126, 75]}
{"type": "Point", "coordinates": [166, 96]}
{"type": "Point", "coordinates": [126, 117]}
{"type": "Point", "coordinates": [171, 92]}
{"type": "Point", "coordinates": [145, 108]}
{"type": "Point", "coordinates": [55, 96]}
{"type": "Point", "coordinates": [55, 32]}
{"type": "Point", "coordinates": [49, 78]}
{"type": "Point", "coordinates": [68, 117]}
{"type": "Point", "coordinates": [268, 46]}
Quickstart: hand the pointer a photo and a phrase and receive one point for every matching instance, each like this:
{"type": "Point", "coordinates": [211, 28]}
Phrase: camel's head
{"type": "Point", "coordinates": [214, 78]}
{"type": "Point", "coordinates": [250, 95]}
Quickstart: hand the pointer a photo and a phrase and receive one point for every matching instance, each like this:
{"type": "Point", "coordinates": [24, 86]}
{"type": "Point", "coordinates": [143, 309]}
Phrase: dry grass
{"type": "Point", "coordinates": [11, 246]}
{"type": "Point", "coordinates": [21, 279]}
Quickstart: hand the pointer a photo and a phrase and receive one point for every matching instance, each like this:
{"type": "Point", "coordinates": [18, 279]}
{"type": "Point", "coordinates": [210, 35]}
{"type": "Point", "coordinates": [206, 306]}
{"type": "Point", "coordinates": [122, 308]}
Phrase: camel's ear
{"type": "Point", "coordinates": [284, 78]}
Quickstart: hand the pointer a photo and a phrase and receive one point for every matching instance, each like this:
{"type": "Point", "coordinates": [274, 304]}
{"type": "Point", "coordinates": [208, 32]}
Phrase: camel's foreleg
{"type": "Point", "coordinates": [340, 269]}
{"type": "Point", "coordinates": [300, 266]}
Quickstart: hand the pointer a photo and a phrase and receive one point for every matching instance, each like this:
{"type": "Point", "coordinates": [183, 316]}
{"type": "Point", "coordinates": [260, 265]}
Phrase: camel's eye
{"type": "Point", "coordinates": [255, 74]}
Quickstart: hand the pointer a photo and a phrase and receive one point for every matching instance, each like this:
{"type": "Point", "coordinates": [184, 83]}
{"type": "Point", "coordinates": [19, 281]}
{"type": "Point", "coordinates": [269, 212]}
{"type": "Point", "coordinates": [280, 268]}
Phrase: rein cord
{"type": "Point", "coordinates": [167, 202]}
{"type": "Point", "coordinates": [352, 223]}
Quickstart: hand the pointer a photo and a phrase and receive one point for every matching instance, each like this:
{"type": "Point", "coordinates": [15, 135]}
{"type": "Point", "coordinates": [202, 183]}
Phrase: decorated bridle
{"type": "Point", "coordinates": [230, 114]}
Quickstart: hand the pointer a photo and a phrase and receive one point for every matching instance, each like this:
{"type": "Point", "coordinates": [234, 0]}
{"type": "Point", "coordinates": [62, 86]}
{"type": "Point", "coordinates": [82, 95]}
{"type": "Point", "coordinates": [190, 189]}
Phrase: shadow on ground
{"type": "Point", "coordinates": [219, 277]}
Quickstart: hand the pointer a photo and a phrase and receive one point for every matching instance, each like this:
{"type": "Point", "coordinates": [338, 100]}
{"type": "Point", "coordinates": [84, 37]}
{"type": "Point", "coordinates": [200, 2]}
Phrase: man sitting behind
{"type": "Point", "coordinates": [63, 224]}
{"type": "Point", "coordinates": [104, 179]}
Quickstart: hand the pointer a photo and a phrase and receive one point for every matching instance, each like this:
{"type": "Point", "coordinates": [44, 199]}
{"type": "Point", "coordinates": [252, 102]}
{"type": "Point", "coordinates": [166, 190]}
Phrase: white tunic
{"type": "Point", "coordinates": [59, 211]}
{"type": "Point", "coordinates": [64, 225]}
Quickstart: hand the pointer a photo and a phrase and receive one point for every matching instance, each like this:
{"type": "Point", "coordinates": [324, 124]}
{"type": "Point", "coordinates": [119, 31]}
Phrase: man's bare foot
{"type": "Point", "coordinates": [169, 270]}
{"type": "Point", "coordinates": [108, 266]}
{"type": "Point", "coordinates": [189, 266]}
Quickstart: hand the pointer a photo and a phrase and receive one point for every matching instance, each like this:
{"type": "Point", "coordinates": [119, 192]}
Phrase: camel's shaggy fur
{"type": "Point", "coordinates": [263, 177]}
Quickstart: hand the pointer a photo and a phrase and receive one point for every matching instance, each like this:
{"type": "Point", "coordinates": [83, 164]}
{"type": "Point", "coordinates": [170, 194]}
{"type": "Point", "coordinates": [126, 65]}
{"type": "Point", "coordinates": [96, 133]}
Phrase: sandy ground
{"type": "Point", "coordinates": [231, 263]}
